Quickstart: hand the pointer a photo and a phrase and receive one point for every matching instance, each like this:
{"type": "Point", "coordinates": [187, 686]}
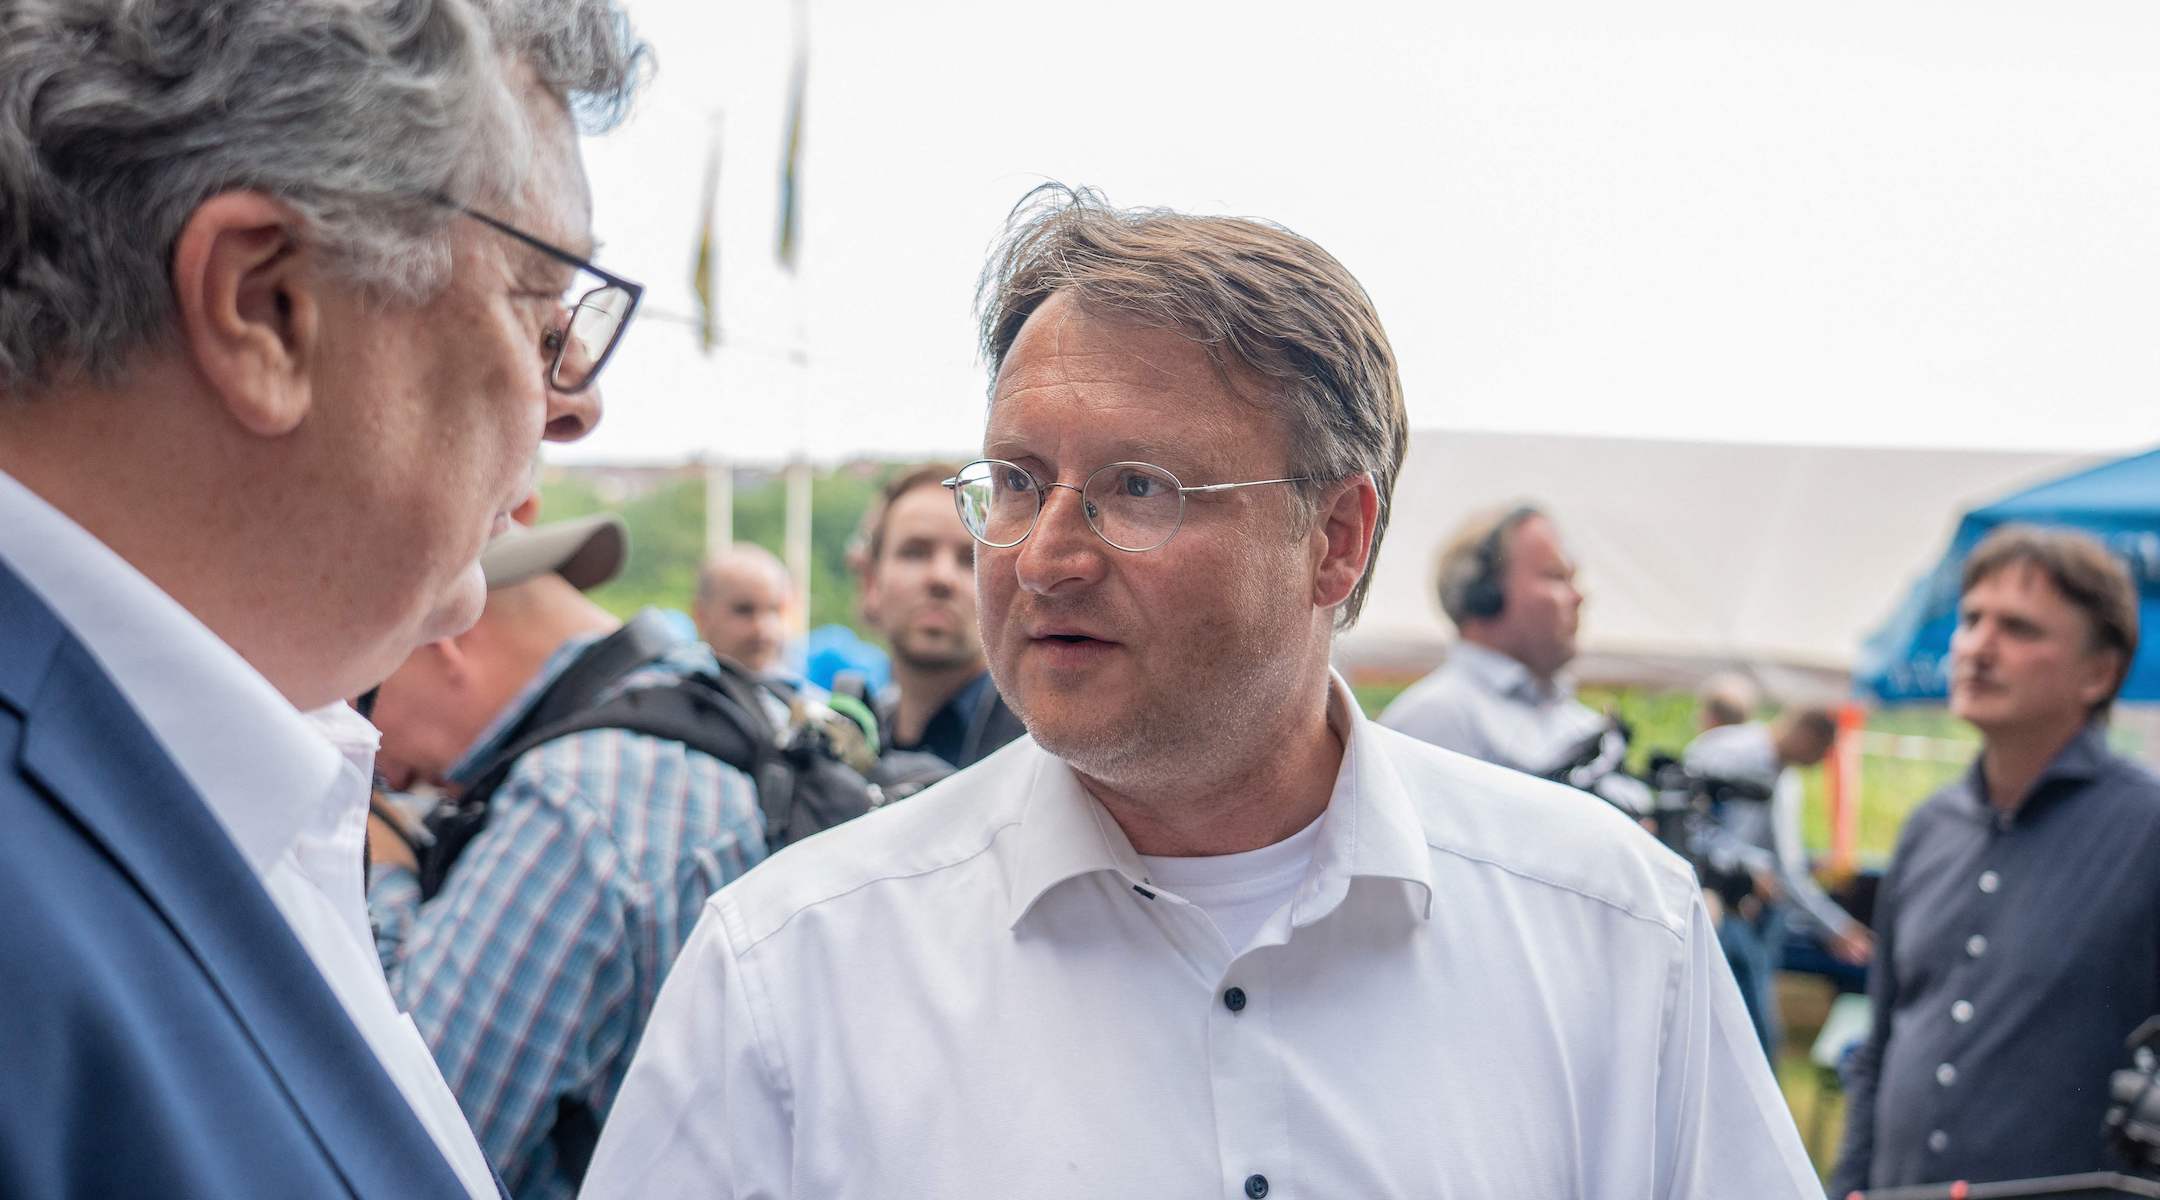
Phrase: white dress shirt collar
{"type": "Point", "coordinates": [1507, 676]}
{"type": "Point", "coordinates": [1369, 829]}
{"type": "Point", "coordinates": [233, 736]}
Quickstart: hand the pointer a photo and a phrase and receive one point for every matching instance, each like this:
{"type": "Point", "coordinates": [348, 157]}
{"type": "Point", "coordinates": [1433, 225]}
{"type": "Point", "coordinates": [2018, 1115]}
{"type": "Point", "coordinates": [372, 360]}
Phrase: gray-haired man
{"type": "Point", "coordinates": [289, 294]}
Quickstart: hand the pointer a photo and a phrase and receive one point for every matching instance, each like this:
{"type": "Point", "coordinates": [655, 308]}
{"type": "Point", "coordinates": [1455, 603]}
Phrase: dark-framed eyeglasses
{"type": "Point", "coordinates": [1134, 506]}
{"type": "Point", "coordinates": [593, 315]}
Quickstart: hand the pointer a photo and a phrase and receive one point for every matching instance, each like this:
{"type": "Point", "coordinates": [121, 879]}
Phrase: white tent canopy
{"type": "Point", "coordinates": [1694, 555]}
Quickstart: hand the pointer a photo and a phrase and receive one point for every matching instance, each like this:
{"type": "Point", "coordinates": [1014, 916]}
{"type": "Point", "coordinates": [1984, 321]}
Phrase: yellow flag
{"type": "Point", "coordinates": [705, 271]}
{"type": "Point", "coordinates": [791, 164]}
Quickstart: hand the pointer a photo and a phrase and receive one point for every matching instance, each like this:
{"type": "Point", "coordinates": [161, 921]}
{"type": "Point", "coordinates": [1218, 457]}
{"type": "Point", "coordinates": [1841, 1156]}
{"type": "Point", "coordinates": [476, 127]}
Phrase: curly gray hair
{"type": "Point", "coordinates": [118, 118]}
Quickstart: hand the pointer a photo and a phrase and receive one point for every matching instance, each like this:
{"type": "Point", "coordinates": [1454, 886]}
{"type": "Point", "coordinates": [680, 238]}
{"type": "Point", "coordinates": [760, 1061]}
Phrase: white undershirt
{"type": "Point", "coordinates": [1239, 892]}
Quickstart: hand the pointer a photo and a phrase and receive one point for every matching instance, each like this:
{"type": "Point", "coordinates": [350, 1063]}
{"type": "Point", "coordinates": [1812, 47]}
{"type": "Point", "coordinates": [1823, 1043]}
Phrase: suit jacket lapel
{"type": "Point", "coordinates": [91, 752]}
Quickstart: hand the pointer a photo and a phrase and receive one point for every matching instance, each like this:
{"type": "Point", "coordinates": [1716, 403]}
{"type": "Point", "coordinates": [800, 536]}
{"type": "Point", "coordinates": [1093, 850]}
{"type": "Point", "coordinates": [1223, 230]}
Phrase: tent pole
{"type": "Point", "coordinates": [1844, 784]}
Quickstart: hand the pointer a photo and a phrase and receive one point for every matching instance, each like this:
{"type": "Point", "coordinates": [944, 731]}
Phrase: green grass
{"type": "Point", "coordinates": [1818, 1106]}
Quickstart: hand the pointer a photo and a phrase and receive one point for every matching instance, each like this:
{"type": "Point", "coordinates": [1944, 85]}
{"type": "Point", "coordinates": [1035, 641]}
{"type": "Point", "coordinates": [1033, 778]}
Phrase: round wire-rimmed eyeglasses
{"type": "Point", "coordinates": [1134, 506]}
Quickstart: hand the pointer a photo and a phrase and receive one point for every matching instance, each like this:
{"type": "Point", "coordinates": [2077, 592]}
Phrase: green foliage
{"type": "Point", "coordinates": [667, 539]}
{"type": "Point", "coordinates": [667, 536]}
{"type": "Point", "coordinates": [837, 502]}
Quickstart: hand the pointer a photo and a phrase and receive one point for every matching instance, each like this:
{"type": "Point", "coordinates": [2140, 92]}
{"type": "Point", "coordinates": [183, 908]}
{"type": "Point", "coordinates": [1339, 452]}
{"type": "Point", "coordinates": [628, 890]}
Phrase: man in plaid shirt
{"type": "Point", "coordinates": [531, 972]}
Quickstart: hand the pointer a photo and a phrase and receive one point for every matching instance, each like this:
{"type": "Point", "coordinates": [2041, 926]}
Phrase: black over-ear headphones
{"type": "Point", "coordinates": [1485, 596]}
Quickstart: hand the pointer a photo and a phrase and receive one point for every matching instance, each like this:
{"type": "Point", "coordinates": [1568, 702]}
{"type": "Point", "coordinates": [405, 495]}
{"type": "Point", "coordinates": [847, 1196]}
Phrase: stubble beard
{"type": "Point", "coordinates": [1214, 728]}
{"type": "Point", "coordinates": [941, 655]}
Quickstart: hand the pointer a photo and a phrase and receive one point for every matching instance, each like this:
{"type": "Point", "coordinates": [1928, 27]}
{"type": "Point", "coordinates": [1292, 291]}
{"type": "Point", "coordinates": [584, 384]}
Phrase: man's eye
{"type": "Point", "coordinates": [551, 339]}
{"type": "Point", "coordinates": [1138, 485]}
{"type": "Point", "coordinates": [1013, 479]}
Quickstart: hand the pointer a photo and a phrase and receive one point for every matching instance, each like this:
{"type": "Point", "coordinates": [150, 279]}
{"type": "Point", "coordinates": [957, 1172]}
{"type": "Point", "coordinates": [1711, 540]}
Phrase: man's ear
{"type": "Point", "coordinates": [1342, 545]}
{"type": "Point", "coordinates": [2101, 673]}
{"type": "Point", "coordinates": [245, 290]}
{"type": "Point", "coordinates": [453, 659]}
{"type": "Point", "coordinates": [866, 598]}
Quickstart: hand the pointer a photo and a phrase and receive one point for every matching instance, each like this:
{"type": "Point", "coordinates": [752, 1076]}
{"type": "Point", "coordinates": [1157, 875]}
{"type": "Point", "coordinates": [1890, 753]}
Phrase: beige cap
{"type": "Point", "coordinates": [588, 552]}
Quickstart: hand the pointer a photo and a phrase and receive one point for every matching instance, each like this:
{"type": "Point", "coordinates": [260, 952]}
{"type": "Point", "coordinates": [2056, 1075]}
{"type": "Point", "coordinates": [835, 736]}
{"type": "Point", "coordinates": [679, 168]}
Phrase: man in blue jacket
{"type": "Point", "coordinates": [289, 295]}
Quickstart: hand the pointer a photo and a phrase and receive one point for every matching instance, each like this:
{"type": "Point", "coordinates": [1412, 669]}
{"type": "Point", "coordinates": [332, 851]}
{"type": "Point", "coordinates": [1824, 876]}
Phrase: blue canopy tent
{"type": "Point", "coordinates": [1908, 658]}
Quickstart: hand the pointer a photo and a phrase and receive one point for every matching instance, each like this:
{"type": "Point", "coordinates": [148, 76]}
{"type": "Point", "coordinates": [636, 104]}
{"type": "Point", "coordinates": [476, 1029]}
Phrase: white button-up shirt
{"type": "Point", "coordinates": [1486, 705]}
{"type": "Point", "coordinates": [289, 788]}
{"type": "Point", "coordinates": [1485, 987]}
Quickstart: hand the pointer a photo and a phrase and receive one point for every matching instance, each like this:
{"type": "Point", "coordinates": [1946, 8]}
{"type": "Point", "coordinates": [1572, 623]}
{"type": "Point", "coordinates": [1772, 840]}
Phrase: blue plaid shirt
{"type": "Point", "coordinates": [532, 972]}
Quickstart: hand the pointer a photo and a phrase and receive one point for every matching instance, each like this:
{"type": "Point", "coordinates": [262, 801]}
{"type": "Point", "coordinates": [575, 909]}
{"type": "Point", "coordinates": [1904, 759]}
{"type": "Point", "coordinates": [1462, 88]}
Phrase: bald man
{"type": "Point", "coordinates": [741, 607]}
{"type": "Point", "coordinates": [1726, 698]}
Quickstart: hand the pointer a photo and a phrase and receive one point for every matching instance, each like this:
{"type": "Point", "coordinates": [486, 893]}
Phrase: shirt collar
{"type": "Point", "coordinates": [2081, 760]}
{"type": "Point", "coordinates": [265, 769]}
{"type": "Point", "coordinates": [1503, 674]}
{"type": "Point", "coordinates": [1370, 829]}
{"type": "Point", "coordinates": [497, 734]}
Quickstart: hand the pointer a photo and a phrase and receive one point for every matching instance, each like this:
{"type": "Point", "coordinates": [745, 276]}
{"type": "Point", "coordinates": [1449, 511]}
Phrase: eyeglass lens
{"type": "Point", "coordinates": [595, 322]}
{"type": "Point", "coordinates": [1133, 506]}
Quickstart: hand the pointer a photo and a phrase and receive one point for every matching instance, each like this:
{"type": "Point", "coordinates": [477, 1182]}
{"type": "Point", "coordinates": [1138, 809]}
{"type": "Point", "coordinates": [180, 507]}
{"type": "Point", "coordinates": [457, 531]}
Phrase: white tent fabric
{"type": "Point", "coordinates": [1694, 555]}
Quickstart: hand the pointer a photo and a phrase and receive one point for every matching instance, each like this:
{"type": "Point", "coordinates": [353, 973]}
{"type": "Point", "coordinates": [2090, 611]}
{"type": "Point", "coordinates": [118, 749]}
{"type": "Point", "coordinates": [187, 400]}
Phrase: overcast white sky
{"type": "Point", "coordinates": [1848, 221]}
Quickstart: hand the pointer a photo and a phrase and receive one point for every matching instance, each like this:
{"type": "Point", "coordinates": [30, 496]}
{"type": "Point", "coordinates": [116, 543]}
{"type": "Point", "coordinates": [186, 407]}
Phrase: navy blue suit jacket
{"type": "Point", "coordinates": [162, 1031]}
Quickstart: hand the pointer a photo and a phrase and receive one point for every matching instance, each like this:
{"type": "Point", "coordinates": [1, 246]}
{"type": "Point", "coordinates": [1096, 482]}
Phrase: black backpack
{"type": "Point", "coordinates": [803, 784]}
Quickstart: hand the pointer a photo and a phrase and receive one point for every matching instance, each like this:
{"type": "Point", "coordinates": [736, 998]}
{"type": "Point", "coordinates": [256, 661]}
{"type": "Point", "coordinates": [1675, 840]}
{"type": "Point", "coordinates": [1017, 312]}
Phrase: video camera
{"type": "Point", "coordinates": [2133, 1123]}
{"type": "Point", "coordinates": [1680, 809]}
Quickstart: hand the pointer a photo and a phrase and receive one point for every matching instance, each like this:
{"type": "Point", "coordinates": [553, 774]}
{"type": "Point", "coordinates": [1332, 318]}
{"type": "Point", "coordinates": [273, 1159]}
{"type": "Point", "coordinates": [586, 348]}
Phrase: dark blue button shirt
{"type": "Point", "coordinates": [2014, 955]}
{"type": "Point", "coordinates": [946, 733]}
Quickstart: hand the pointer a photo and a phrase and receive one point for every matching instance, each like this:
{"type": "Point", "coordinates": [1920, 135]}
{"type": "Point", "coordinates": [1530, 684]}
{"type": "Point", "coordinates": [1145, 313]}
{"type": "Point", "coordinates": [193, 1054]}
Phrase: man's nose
{"type": "Point", "coordinates": [571, 415]}
{"type": "Point", "coordinates": [950, 573]}
{"type": "Point", "coordinates": [1063, 549]}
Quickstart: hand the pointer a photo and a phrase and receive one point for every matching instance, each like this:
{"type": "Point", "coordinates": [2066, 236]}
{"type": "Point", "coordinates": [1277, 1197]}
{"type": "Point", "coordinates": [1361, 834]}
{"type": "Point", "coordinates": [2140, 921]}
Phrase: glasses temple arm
{"type": "Point", "coordinates": [1224, 487]}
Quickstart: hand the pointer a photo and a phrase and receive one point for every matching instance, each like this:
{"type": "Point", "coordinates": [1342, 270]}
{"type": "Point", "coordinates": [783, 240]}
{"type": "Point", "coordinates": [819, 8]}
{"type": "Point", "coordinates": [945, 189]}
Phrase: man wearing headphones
{"type": "Point", "coordinates": [1501, 696]}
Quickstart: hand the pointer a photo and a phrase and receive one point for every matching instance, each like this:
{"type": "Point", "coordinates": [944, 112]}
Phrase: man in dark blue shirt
{"type": "Point", "coordinates": [918, 589]}
{"type": "Point", "coordinates": [2018, 930]}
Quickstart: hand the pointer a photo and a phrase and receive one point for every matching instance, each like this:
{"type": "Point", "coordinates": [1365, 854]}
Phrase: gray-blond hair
{"type": "Point", "coordinates": [1251, 292]}
{"type": "Point", "coordinates": [118, 118]}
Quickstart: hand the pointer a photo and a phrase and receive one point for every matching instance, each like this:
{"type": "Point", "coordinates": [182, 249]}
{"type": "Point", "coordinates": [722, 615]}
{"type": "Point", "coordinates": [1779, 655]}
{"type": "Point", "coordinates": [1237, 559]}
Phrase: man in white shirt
{"type": "Point", "coordinates": [1503, 695]}
{"type": "Point", "coordinates": [1758, 834]}
{"type": "Point", "coordinates": [285, 311]}
{"type": "Point", "coordinates": [1207, 932]}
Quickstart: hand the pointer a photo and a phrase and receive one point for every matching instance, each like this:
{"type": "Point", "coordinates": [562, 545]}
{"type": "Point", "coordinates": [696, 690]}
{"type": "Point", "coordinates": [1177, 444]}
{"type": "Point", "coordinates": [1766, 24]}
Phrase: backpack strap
{"type": "Point", "coordinates": [704, 712]}
{"type": "Point", "coordinates": [641, 640]}
{"type": "Point", "coordinates": [737, 696]}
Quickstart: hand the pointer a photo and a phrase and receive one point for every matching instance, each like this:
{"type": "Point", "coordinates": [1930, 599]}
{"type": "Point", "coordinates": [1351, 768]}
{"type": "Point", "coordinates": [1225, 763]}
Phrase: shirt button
{"type": "Point", "coordinates": [1946, 1075]}
{"type": "Point", "coordinates": [1976, 945]}
{"type": "Point", "coordinates": [1938, 1141]}
{"type": "Point", "coordinates": [1989, 881]}
{"type": "Point", "coordinates": [1256, 1186]}
{"type": "Point", "coordinates": [1962, 1011]}
{"type": "Point", "coordinates": [1234, 1000]}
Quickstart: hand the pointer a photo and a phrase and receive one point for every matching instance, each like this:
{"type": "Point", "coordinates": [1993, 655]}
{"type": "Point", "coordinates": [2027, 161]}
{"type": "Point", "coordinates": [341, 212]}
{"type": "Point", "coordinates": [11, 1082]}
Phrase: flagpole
{"type": "Point", "coordinates": [705, 285]}
{"type": "Point", "coordinates": [787, 248]}
{"type": "Point", "coordinates": [719, 505]}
